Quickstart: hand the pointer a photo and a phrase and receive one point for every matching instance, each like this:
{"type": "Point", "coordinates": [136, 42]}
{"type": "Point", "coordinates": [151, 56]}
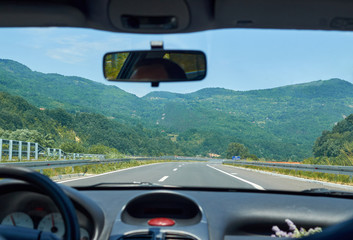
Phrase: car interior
{"type": "Point", "coordinates": [127, 212]}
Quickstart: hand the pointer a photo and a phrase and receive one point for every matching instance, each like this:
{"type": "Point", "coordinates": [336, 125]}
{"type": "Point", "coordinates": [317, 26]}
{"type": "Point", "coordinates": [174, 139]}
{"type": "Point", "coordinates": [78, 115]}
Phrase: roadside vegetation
{"type": "Point", "coordinates": [237, 149]}
{"type": "Point", "coordinates": [327, 177]}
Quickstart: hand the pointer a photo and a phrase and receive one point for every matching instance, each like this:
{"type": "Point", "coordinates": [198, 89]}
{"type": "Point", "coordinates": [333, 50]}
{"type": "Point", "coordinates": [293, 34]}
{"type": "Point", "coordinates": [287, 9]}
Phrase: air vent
{"type": "Point", "coordinates": [154, 236]}
{"type": "Point", "coordinates": [138, 236]}
{"type": "Point", "coordinates": [177, 236]}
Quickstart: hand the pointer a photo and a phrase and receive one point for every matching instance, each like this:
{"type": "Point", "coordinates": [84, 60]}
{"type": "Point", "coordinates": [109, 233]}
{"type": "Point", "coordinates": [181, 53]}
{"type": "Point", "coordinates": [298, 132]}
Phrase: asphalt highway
{"type": "Point", "coordinates": [201, 174]}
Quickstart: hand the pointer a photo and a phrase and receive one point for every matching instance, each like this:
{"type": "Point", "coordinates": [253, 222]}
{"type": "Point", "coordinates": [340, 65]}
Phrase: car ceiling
{"type": "Point", "coordinates": [177, 16]}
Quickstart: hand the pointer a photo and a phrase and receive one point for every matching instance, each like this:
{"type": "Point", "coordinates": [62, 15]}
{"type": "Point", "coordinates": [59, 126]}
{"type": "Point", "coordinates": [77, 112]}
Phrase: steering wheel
{"type": "Point", "coordinates": [53, 191]}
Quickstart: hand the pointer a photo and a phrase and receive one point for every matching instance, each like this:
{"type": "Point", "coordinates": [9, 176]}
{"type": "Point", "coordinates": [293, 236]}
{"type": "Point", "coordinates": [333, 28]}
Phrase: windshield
{"type": "Point", "coordinates": [274, 108]}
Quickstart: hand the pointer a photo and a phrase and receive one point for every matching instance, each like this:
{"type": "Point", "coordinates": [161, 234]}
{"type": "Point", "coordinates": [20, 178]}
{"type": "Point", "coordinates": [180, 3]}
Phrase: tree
{"type": "Point", "coordinates": [109, 152]}
{"type": "Point", "coordinates": [330, 143]}
{"type": "Point", "coordinates": [237, 149]}
{"type": "Point", "coordinates": [28, 136]}
{"type": "Point", "coordinates": [72, 147]}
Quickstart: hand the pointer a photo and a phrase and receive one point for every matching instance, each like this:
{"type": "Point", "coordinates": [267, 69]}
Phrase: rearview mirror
{"type": "Point", "coordinates": [155, 66]}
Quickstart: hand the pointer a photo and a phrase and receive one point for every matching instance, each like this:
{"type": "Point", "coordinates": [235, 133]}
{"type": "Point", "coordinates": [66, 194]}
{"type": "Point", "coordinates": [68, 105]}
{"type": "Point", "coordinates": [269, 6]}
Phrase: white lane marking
{"type": "Point", "coordinates": [175, 169]}
{"type": "Point", "coordinates": [120, 170]}
{"type": "Point", "coordinates": [163, 178]}
{"type": "Point", "coordinates": [179, 165]}
{"type": "Point", "coordinates": [241, 179]}
{"type": "Point", "coordinates": [234, 173]}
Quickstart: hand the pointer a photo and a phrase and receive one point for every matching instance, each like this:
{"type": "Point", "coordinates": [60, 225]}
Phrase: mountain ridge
{"type": "Point", "coordinates": [223, 91]}
{"type": "Point", "coordinates": [10, 64]}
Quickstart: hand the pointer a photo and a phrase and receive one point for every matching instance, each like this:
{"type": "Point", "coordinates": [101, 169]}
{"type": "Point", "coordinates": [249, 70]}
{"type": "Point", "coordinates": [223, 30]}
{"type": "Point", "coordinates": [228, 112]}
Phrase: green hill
{"type": "Point", "coordinates": [70, 93]}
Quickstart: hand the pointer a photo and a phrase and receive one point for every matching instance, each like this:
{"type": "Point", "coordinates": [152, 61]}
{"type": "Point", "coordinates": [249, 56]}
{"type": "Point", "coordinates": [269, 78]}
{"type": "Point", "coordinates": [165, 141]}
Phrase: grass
{"type": "Point", "coordinates": [327, 177]}
{"type": "Point", "coordinates": [96, 168]}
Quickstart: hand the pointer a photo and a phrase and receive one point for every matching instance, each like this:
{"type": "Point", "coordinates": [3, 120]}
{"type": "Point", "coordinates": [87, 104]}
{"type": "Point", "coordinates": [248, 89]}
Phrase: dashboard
{"type": "Point", "coordinates": [170, 213]}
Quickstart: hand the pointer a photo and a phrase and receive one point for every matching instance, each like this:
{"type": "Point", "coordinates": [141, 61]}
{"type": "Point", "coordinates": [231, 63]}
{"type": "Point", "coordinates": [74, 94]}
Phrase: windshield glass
{"type": "Point", "coordinates": [275, 106]}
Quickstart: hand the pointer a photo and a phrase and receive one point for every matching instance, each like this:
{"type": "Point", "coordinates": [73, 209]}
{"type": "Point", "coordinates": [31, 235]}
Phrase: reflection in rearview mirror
{"type": "Point", "coordinates": [155, 66]}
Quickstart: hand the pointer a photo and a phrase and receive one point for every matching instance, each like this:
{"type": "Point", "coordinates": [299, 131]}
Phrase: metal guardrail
{"type": "Point", "coordinates": [39, 165]}
{"type": "Point", "coordinates": [345, 170]}
{"type": "Point", "coordinates": [10, 149]}
{"type": "Point", "coordinates": [20, 149]}
{"type": "Point", "coordinates": [32, 151]}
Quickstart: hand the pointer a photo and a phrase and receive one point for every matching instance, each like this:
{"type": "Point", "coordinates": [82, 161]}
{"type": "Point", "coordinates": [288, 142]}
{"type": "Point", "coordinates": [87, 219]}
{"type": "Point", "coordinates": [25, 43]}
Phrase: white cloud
{"type": "Point", "coordinates": [75, 49]}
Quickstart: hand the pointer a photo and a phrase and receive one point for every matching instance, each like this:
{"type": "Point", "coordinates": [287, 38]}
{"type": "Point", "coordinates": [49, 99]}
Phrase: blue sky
{"type": "Point", "coordinates": [237, 59]}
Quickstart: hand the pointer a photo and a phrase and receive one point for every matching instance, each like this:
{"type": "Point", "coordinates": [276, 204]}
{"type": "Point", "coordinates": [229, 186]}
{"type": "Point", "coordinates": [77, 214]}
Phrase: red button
{"type": "Point", "coordinates": [161, 222]}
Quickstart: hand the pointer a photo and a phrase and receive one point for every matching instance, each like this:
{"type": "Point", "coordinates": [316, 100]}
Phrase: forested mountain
{"type": "Point", "coordinates": [280, 123]}
{"type": "Point", "coordinates": [77, 132]}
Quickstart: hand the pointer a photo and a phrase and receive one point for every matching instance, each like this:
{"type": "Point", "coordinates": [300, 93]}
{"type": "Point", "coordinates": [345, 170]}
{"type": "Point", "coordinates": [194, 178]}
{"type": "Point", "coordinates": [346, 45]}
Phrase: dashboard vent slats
{"type": "Point", "coordinates": [151, 236]}
{"type": "Point", "coordinates": [140, 236]}
{"type": "Point", "coordinates": [173, 236]}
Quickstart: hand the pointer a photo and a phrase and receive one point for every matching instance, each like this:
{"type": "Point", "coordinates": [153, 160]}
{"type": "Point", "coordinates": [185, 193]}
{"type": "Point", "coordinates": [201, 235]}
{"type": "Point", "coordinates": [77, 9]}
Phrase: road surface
{"type": "Point", "coordinates": [201, 174]}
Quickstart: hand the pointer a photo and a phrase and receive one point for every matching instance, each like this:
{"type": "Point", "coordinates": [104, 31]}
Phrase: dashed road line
{"type": "Point", "coordinates": [163, 178]}
{"type": "Point", "coordinates": [241, 179]}
{"type": "Point", "coordinates": [175, 169]}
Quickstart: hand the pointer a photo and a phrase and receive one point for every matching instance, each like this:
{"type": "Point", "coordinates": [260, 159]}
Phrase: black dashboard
{"type": "Point", "coordinates": [171, 213]}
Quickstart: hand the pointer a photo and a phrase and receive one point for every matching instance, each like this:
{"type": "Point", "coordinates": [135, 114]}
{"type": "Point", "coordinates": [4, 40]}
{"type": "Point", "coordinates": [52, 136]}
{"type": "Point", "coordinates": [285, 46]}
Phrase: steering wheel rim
{"type": "Point", "coordinates": [53, 191]}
